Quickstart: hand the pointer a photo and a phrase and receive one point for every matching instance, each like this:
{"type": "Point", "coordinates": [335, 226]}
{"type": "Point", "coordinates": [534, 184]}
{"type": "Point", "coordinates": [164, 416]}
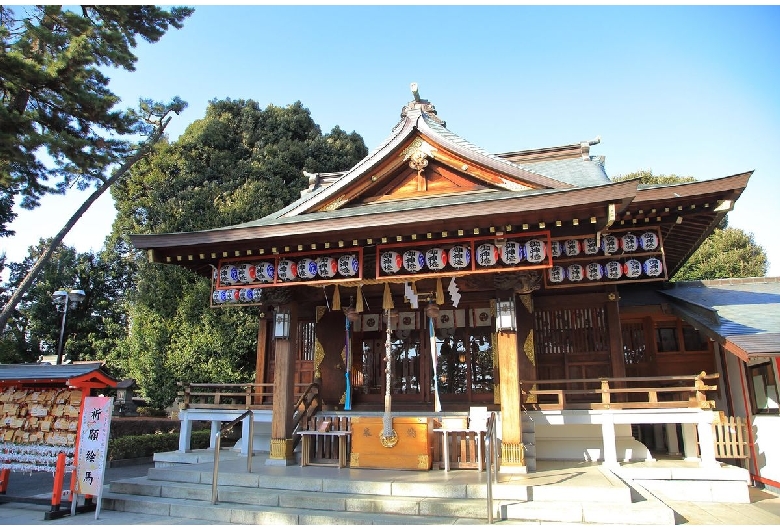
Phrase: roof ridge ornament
{"type": "Point", "coordinates": [422, 105]}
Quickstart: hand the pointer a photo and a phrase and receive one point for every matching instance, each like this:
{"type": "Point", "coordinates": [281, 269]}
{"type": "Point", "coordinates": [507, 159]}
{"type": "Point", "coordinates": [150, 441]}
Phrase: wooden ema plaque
{"type": "Point", "coordinates": [412, 451]}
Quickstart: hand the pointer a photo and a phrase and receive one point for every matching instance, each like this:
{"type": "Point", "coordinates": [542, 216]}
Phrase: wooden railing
{"type": "Point", "coordinates": [242, 396]}
{"type": "Point", "coordinates": [688, 391]}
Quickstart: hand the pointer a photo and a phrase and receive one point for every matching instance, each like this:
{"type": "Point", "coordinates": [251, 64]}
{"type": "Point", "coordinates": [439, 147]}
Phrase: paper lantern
{"type": "Point", "coordinates": [348, 265]}
{"type": "Point", "coordinates": [257, 295]}
{"type": "Point", "coordinates": [629, 242]}
{"type": "Point", "coordinates": [436, 259]}
{"type": "Point", "coordinates": [246, 295]}
{"type": "Point", "coordinates": [557, 274]}
{"type": "Point", "coordinates": [610, 244]}
{"type": "Point", "coordinates": [556, 249]}
{"type": "Point", "coordinates": [512, 253]}
{"type": "Point", "coordinates": [288, 270]}
{"type": "Point", "coordinates": [413, 260]}
{"type": "Point", "coordinates": [245, 273]}
{"type": "Point", "coordinates": [326, 267]}
{"type": "Point", "coordinates": [460, 256]}
{"type": "Point", "coordinates": [228, 275]}
{"type": "Point", "coordinates": [653, 267]}
{"type": "Point", "coordinates": [632, 268]}
{"type": "Point", "coordinates": [390, 262]}
{"type": "Point", "coordinates": [487, 255]}
{"type": "Point", "coordinates": [613, 270]}
{"type": "Point", "coordinates": [228, 296]}
{"type": "Point", "coordinates": [535, 250]}
{"type": "Point", "coordinates": [571, 247]}
{"type": "Point", "coordinates": [215, 296]}
{"type": "Point", "coordinates": [589, 246]}
{"type": "Point", "coordinates": [307, 269]}
{"type": "Point", "coordinates": [594, 271]}
{"type": "Point", "coordinates": [574, 272]}
{"type": "Point", "coordinates": [648, 241]}
{"type": "Point", "coordinates": [264, 271]}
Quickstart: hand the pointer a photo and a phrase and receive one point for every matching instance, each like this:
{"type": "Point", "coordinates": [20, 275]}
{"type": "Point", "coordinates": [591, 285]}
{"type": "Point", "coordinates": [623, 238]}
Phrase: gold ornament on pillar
{"type": "Point", "coordinates": [359, 303]}
{"type": "Point", "coordinates": [387, 298]}
{"type": "Point", "coordinates": [439, 292]}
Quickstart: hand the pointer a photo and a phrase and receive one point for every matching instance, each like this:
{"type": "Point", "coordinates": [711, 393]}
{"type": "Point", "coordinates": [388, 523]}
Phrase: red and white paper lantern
{"type": "Point", "coordinates": [460, 256]}
{"type": "Point", "coordinates": [556, 249]}
{"type": "Point", "coordinates": [413, 260]}
{"type": "Point", "coordinates": [288, 270]}
{"type": "Point", "coordinates": [390, 262]}
{"type": "Point", "coordinates": [228, 296]}
{"type": "Point", "coordinates": [348, 264]}
{"type": "Point", "coordinates": [575, 272]}
{"type": "Point", "coordinates": [245, 273]}
{"type": "Point", "coordinates": [487, 255]}
{"type": "Point", "coordinates": [589, 246]}
{"type": "Point", "coordinates": [535, 250]}
{"type": "Point", "coordinates": [632, 268]}
{"type": "Point", "coordinates": [326, 267]}
{"type": "Point", "coordinates": [512, 253]}
{"type": "Point", "coordinates": [436, 259]}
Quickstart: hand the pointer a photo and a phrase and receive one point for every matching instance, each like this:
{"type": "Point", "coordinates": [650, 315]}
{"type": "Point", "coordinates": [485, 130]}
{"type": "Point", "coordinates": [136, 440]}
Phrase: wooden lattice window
{"type": "Point", "coordinates": [571, 331]}
{"type": "Point", "coordinates": [635, 350]}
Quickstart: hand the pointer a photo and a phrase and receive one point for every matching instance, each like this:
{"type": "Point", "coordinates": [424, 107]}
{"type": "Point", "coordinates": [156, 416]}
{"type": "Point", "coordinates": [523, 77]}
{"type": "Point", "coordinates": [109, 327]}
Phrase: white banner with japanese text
{"type": "Point", "coordinates": [93, 445]}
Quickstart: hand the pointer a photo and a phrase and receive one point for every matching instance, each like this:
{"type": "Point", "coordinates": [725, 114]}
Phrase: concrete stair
{"type": "Point", "coordinates": [327, 495]}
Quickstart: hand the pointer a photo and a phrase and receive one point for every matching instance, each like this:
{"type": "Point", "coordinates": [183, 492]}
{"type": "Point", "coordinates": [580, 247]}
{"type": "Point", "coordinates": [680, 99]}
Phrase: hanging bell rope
{"type": "Point", "coordinates": [439, 292]}
{"type": "Point", "coordinates": [387, 298]}
{"type": "Point", "coordinates": [336, 299]}
{"type": "Point", "coordinates": [359, 303]}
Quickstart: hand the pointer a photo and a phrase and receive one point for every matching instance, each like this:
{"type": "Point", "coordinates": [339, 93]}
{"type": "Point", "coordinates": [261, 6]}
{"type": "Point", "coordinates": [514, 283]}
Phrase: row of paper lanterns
{"type": "Point", "coordinates": [287, 270]}
{"type": "Point", "coordinates": [246, 295]}
{"type": "Point", "coordinates": [610, 244]}
{"type": "Point", "coordinates": [459, 256]}
{"type": "Point", "coordinates": [612, 270]}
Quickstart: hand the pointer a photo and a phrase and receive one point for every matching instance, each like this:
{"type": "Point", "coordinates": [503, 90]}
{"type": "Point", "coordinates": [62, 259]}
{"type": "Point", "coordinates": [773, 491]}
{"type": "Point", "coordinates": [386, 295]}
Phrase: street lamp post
{"type": "Point", "coordinates": [63, 299]}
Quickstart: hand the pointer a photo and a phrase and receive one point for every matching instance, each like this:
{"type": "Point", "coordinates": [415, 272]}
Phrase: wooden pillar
{"type": "Point", "coordinates": [509, 353]}
{"type": "Point", "coordinates": [284, 368]}
{"type": "Point", "coordinates": [617, 358]}
{"type": "Point", "coordinates": [262, 341]}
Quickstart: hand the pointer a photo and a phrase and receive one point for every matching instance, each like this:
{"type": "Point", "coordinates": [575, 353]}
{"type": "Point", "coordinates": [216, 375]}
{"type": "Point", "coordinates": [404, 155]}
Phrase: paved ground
{"type": "Point", "coordinates": [764, 508]}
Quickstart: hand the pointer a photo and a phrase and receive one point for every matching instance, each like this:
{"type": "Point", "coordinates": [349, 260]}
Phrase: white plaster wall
{"type": "Point", "coordinates": [584, 443]}
{"type": "Point", "coordinates": [767, 432]}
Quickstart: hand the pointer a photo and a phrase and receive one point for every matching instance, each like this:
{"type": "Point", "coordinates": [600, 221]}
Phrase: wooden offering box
{"type": "Point", "coordinates": [412, 451]}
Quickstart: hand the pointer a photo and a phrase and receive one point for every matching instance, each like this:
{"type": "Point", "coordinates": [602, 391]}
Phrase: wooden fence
{"type": "Point", "coordinates": [731, 438]}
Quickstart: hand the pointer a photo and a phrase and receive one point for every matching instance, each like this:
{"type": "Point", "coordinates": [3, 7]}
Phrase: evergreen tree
{"type": "Point", "coordinates": [237, 164]}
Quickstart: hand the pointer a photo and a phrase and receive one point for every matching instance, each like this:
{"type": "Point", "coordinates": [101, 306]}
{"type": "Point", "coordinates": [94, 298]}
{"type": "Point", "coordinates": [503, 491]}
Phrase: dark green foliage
{"type": "Point", "coordinates": [136, 426]}
{"type": "Point", "coordinates": [237, 164]}
{"type": "Point", "coordinates": [148, 444]}
{"type": "Point", "coordinates": [54, 98]}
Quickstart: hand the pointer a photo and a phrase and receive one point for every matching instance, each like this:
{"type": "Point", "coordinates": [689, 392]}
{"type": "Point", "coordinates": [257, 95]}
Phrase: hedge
{"type": "Point", "coordinates": [148, 444]}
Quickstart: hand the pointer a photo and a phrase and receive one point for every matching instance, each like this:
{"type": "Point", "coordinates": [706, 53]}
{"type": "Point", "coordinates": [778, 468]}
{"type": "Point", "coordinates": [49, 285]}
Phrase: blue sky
{"type": "Point", "coordinates": [687, 90]}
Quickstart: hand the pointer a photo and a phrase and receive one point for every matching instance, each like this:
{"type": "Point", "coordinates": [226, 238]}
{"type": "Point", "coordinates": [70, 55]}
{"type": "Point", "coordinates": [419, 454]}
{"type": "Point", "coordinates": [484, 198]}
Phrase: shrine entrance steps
{"type": "Point", "coordinates": [558, 492]}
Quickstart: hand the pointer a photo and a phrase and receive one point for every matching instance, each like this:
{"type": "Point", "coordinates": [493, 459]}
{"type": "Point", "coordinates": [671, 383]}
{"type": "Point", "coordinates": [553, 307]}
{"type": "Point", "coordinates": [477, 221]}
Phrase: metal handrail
{"type": "Point", "coordinates": [218, 442]}
{"type": "Point", "coordinates": [490, 457]}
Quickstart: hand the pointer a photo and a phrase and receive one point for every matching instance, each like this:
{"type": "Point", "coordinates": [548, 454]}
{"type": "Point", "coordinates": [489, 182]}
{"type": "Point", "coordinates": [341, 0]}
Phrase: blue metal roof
{"type": "Point", "coordinates": [745, 311]}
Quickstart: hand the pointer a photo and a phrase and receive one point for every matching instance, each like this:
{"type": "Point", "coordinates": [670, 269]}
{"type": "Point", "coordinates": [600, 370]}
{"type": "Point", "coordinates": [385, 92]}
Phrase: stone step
{"type": "Point", "coordinates": [615, 492]}
{"type": "Point", "coordinates": [225, 512]}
